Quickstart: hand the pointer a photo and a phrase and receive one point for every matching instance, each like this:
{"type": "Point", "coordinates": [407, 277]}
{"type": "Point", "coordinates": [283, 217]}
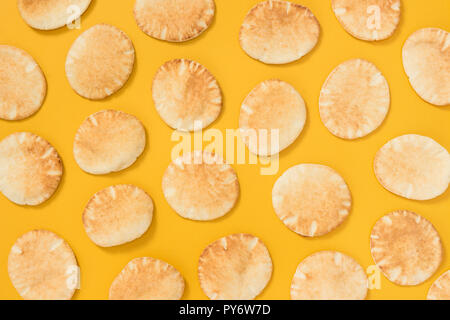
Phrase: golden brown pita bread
{"type": "Point", "coordinates": [354, 100]}
{"type": "Point", "coordinates": [117, 215]}
{"type": "Point", "coordinates": [186, 93]}
{"type": "Point", "coordinates": [108, 141]}
{"type": "Point", "coordinates": [272, 117]}
{"type": "Point", "coordinates": [174, 20]}
{"type": "Point", "coordinates": [426, 60]}
{"type": "Point", "coordinates": [147, 279]}
{"type": "Point", "coordinates": [100, 62]}
{"type": "Point", "coordinates": [440, 289]}
{"type": "Point", "coordinates": [51, 14]}
{"type": "Point", "coordinates": [278, 32]}
{"type": "Point", "coordinates": [42, 266]}
{"type": "Point", "coordinates": [30, 168]}
{"type": "Point", "coordinates": [236, 267]}
{"type": "Point", "coordinates": [406, 247]}
{"type": "Point", "coordinates": [200, 186]}
{"type": "Point", "coordinates": [311, 199]}
{"type": "Point", "coordinates": [22, 84]}
{"type": "Point", "coordinates": [413, 166]}
{"type": "Point", "coordinates": [329, 275]}
{"type": "Point", "coordinates": [370, 20]}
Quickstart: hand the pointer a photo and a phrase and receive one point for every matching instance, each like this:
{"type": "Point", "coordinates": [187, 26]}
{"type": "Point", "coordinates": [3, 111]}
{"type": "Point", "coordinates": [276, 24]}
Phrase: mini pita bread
{"type": "Point", "coordinates": [30, 169]}
{"type": "Point", "coordinates": [369, 20]}
{"type": "Point", "coordinates": [117, 215]}
{"type": "Point", "coordinates": [278, 32]}
{"type": "Point", "coordinates": [186, 94]}
{"type": "Point", "coordinates": [236, 267]}
{"type": "Point", "coordinates": [329, 275]}
{"type": "Point", "coordinates": [426, 60]}
{"type": "Point", "coordinates": [413, 166]}
{"type": "Point", "coordinates": [406, 247]}
{"type": "Point", "coordinates": [440, 289]}
{"type": "Point", "coordinates": [272, 117]}
{"type": "Point", "coordinates": [174, 20]}
{"type": "Point", "coordinates": [22, 84]}
{"type": "Point", "coordinates": [100, 62]}
{"type": "Point", "coordinates": [147, 279]}
{"type": "Point", "coordinates": [51, 14]}
{"type": "Point", "coordinates": [354, 100]}
{"type": "Point", "coordinates": [311, 199]}
{"type": "Point", "coordinates": [200, 186]}
{"type": "Point", "coordinates": [42, 266]}
{"type": "Point", "coordinates": [108, 141]}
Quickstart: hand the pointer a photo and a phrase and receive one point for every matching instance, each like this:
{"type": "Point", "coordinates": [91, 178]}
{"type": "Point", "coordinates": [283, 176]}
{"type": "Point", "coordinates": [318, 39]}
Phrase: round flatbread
{"type": "Point", "coordinates": [311, 199]}
{"type": "Point", "coordinates": [414, 167]}
{"type": "Point", "coordinates": [147, 279]}
{"type": "Point", "coordinates": [100, 62]}
{"type": "Point", "coordinates": [278, 32]}
{"type": "Point", "coordinates": [440, 289]}
{"type": "Point", "coordinates": [426, 60]}
{"type": "Point", "coordinates": [354, 100]}
{"type": "Point", "coordinates": [186, 95]}
{"type": "Point", "coordinates": [30, 169]}
{"type": "Point", "coordinates": [406, 247]}
{"type": "Point", "coordinates": [108, 141]}
{"type": "Point", "coordinates": [22, 84]}
{"type": "Point", "coordinates": [329, 275]}
{"type": "Point", "coordinates": [117, 215]}
{"type": "Point", "coordinates": [369, 20]}
{"type": "Point", "coordinates": [200, 186]}
{"type": "Point", "coordinates": [174, 20]}
{"type": "Point", "coordinates": [51, 14]}
{"type": "Point", "coordinates": [42, 266]}
{"type": "Point", "coordinates": [272, 117]}
{"type": "Point", "coordinates": [236, 267]}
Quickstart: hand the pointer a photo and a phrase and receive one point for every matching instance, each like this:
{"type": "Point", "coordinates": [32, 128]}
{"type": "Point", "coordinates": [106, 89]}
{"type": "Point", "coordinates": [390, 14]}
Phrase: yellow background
{"type": "Point", "coordinates": [179, 241]}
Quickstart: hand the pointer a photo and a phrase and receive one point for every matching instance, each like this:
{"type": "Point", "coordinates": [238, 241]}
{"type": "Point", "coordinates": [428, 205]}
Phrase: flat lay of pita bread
{"type": "Point", "coordinates": [224, 149]}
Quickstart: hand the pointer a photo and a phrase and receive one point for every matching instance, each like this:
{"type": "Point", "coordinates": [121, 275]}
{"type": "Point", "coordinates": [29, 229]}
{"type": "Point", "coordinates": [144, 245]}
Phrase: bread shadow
{"type": "Point", "coordinates": [226, 216]}
{"type": "Point", "coordinates": [121, 91]}
{"type": "Point", "coordinates": [292, 148]}
{"type": "Point", "coordinates": [134, 166]}
{"type": "Point", "coordinates": [137, 244]}
{"type": "Point", "coordinates": [300, 61]}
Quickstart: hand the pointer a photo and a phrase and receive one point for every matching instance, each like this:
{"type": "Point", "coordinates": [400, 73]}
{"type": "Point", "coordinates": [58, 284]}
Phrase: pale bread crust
{"type": "Point", "coordinates": [413, 166]}
{"type": "Point", "coordinates": [271, 105]}
{"type": "Point", "coordinates": [51, 14]}
{"type": "Point", "coordinates": [200, 186]}
{"type": "Point", "coordinates": [109, 141]}
{"type": "Point", "coordinates": [329, 275]}
{"type": "Point", "coordinates": [30, 169]}
{"type": "Point", "coordinates": [354, 99]}
{"type": "Point", "coordinates": [147, 279]}
{"type": "Point", "coordinates": [22, 84]}
{"type": "Point", "coordinates": [406, 247]}
{"type": "Point", "coordinates": [174, 20]}
{"type": "Point", "coordinates": [279, 32]}
{"type": "Point", "coordinates": [235, 267]}
{"type": "Point", "coordinates": [358, 17]}
{"type": "Point", "coordinates": [117, 215]}
{"type": "Point", "coordinates": [440, 289]}
{"type": "Point", "coordinates": [41, 265]}
{"type": "Point", "coordinates": [100, 62]}
{"type": "Point", "coordinates": [185, 92]}
{"type": "Point", "coordinates": [311, 199]}
{"type": "Point", "coordinates": [426, 60]}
